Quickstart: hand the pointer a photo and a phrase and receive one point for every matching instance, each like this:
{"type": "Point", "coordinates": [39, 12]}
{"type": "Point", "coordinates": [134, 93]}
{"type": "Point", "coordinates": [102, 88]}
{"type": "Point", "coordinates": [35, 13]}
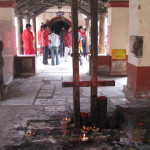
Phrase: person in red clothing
{"type": "Point", "coordinates": [45, 43]}
{"type": "Point", "coordinates": [27, 38]}
{"type": "Point", "coordinates": [68, 43]}
{"type": "Point", "coordinates": [39, 38]}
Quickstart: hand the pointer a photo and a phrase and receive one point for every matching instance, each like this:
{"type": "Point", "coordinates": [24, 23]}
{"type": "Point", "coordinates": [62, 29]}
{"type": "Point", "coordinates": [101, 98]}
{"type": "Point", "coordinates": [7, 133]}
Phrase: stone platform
{"type": "Point", "coordinates": [49, 136]}
{"type": "Point", "coordinates": [135, 121]}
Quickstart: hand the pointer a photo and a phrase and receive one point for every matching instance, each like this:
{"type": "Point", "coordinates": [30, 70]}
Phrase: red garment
{"type": "Point", "coordinates": [81, 33]}
{"type": "Point", "coordinates": [44, 38]}
{"type": "Point", "coordinates": [40, 40]}
{"type": "Point", "coordinates": [27, 38]}
{"type": "Point", "coordinates": [67, 40]}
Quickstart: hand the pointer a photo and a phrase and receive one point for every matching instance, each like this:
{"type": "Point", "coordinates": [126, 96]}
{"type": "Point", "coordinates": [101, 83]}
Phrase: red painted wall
{"type": "Point", "coordinates": [138, 78]}
{"type": "Point", "coordinates": [103, 61]}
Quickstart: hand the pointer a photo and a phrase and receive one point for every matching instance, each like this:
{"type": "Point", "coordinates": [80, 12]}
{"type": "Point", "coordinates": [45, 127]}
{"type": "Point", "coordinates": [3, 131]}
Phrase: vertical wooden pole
{"type": "Point", "coordinates": [94, 12]}
{"type": "Point", "coordinates": [76, 88]}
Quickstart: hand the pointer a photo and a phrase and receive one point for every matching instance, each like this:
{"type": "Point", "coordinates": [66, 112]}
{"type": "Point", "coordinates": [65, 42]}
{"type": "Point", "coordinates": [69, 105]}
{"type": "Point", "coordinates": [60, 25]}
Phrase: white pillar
{"type": "Point", "coordinates": [102, 33]}
{"type": "Point", "coordinates": [138, 82]}
{"type": "Point", "coordinates": [118, 24]}
{"type": "Point", "coordinates": [27, 19]}
{"type": "Point", "coordinates": [19, 34]}
{"type": "Point", "coordinates": [8, 36]}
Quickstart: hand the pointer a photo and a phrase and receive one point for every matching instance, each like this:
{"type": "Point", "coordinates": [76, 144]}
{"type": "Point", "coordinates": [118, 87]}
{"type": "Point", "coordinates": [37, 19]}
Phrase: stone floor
{"type": "Point", "coordinates": [42, 97]}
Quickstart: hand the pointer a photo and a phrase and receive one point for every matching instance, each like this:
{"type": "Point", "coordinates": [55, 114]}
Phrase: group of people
{"type": "Point", "coordinates": [50, 43]}
{"type": "Point", "coordinates": [66, 41]}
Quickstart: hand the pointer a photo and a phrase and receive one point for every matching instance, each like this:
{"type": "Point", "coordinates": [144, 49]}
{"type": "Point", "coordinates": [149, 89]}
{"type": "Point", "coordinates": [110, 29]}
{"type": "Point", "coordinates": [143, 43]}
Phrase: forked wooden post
{"type": "Point", "coordinates": [76, 84]}
{"type": "Point", "coordinates": [76, 88]}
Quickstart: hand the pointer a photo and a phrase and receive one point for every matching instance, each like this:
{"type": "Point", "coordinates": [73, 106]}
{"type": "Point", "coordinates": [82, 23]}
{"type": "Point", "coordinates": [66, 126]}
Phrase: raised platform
{"type": "Point", "coordinates": [134, 94]}
{"type": "Point", "coordinates": [135, 122]}
{"type": "Point", "coordinates": [24, 65]}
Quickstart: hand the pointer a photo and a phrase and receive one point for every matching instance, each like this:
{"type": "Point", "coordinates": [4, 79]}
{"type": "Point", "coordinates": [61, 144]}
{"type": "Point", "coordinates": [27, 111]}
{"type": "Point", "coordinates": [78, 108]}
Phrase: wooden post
{"type": "Point", "coordinates": [76, 88]}
{"type": "Point", "coordinates": [94, 12]}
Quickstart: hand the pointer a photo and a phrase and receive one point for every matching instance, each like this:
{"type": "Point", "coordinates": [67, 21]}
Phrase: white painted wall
{"type": "Point", "coordinates": [139, 25]}
{"type": "Point", "coordinates": [7, 14]}
{"type": "Point", "coordinates": [118, 20]}
{"type": "Point", "coordinates": [7, 35]}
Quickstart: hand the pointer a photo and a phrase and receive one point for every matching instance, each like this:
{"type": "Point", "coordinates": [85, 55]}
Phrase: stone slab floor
{"type": "Point", "coordinates": [42, 97]}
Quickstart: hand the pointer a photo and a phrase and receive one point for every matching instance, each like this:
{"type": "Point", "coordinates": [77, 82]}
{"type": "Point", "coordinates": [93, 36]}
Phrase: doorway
{"type": "Point", "coordinates": [57, 26]}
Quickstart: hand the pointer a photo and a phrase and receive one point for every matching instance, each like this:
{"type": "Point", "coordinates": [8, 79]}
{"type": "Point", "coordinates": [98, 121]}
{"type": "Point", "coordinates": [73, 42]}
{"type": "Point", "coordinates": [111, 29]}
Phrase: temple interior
{"type": "Point", "coordinates": [103, 104]}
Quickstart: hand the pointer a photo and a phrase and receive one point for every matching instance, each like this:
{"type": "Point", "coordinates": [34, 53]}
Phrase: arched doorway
{"type": "Point", "coordinates": [58, 22]}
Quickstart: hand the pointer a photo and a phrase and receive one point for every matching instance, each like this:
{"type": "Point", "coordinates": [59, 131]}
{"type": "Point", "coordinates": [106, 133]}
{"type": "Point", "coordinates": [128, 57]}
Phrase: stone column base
{"type": "Point", "coordinates": [134, 94]}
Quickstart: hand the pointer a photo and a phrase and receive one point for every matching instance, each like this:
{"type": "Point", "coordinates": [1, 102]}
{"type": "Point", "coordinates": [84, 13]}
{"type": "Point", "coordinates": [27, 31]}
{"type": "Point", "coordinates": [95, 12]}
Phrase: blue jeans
{"type": "Point", "coordinates": [54, 52]}
{"type": "Point", "coordinates": [80, 60]}
{"type": "Point", "coordinates": [62, 49]}
{"type": "Point", "coordinates": [45, 54]}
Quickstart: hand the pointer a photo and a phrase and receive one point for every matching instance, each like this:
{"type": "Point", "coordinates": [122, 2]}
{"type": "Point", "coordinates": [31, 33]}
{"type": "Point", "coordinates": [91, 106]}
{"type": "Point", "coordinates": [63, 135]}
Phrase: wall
{"type": "Point", "coordinates": [7, 35]}
{"type": "Point", "coordinates": [139, 26]}
{"type": "Point", "coordinates": [103, 64]}
{"type": "Point", "coordinates": [118, 21]}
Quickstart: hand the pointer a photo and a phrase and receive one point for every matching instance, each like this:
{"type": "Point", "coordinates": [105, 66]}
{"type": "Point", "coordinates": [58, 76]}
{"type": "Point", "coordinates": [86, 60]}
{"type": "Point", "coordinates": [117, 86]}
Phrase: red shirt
{"type": "Point", "coordinates": [27, 38]}
{"type": "Point", "coordinates": [67, 40]}
{"type": "Point", "coordinates": [39, 36]}
{"type": "Point", "coordinates": [44, 38]}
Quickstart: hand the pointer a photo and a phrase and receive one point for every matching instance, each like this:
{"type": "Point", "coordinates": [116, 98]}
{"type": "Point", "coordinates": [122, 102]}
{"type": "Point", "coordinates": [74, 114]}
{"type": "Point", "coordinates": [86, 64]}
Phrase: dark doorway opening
{"type": "Point", "coordinates": [57, 26]}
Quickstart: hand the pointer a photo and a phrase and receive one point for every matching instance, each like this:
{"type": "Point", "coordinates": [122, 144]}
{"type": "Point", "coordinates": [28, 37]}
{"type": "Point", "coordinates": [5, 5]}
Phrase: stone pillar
{"type": "Point", "coordinates": [19, 34]}
{"type": "Point", "coordinates": [34, 33]}
{"type": "Point", "coordinates": [8, 36]}
{"type": "Point", "coordinates": [102, 33]}
{"type": "Point", "coordinates": [118, 24]}
{"type": "Point", "coordinates": [87, 35]}
{"type": "Point", "coordinates": [138, 81]}
{"type": "Point", "coordinates": [27, 19]}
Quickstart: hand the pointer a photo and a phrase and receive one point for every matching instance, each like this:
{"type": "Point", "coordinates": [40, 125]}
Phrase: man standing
{"type": "Point", "coordinates": [62, 33]}
{"type": "Point", "coordinates": [54, 40]}
{"type": "Point", "coordinates": [45, 43]}
{"type": "Point", "coordinates": [27, 38]}
{"type": "Point", "coordinates": [68, 43]}
{"type": "Point", "coordinates": [80, 33]}
{"type": "Point", "coordinates": [39, 38]}
{"type": "Point", "coordinates": [84, 42]}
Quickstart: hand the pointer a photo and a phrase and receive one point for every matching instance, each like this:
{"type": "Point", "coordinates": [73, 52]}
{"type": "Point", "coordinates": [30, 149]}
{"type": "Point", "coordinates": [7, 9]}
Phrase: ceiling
{"type": "Point", "coordinates": [36, 7]}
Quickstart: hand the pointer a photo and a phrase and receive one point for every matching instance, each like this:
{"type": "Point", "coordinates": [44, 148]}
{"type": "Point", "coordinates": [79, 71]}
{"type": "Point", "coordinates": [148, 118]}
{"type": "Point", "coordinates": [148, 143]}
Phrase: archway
{"type": "Point", "coordinates": [57, 23]}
